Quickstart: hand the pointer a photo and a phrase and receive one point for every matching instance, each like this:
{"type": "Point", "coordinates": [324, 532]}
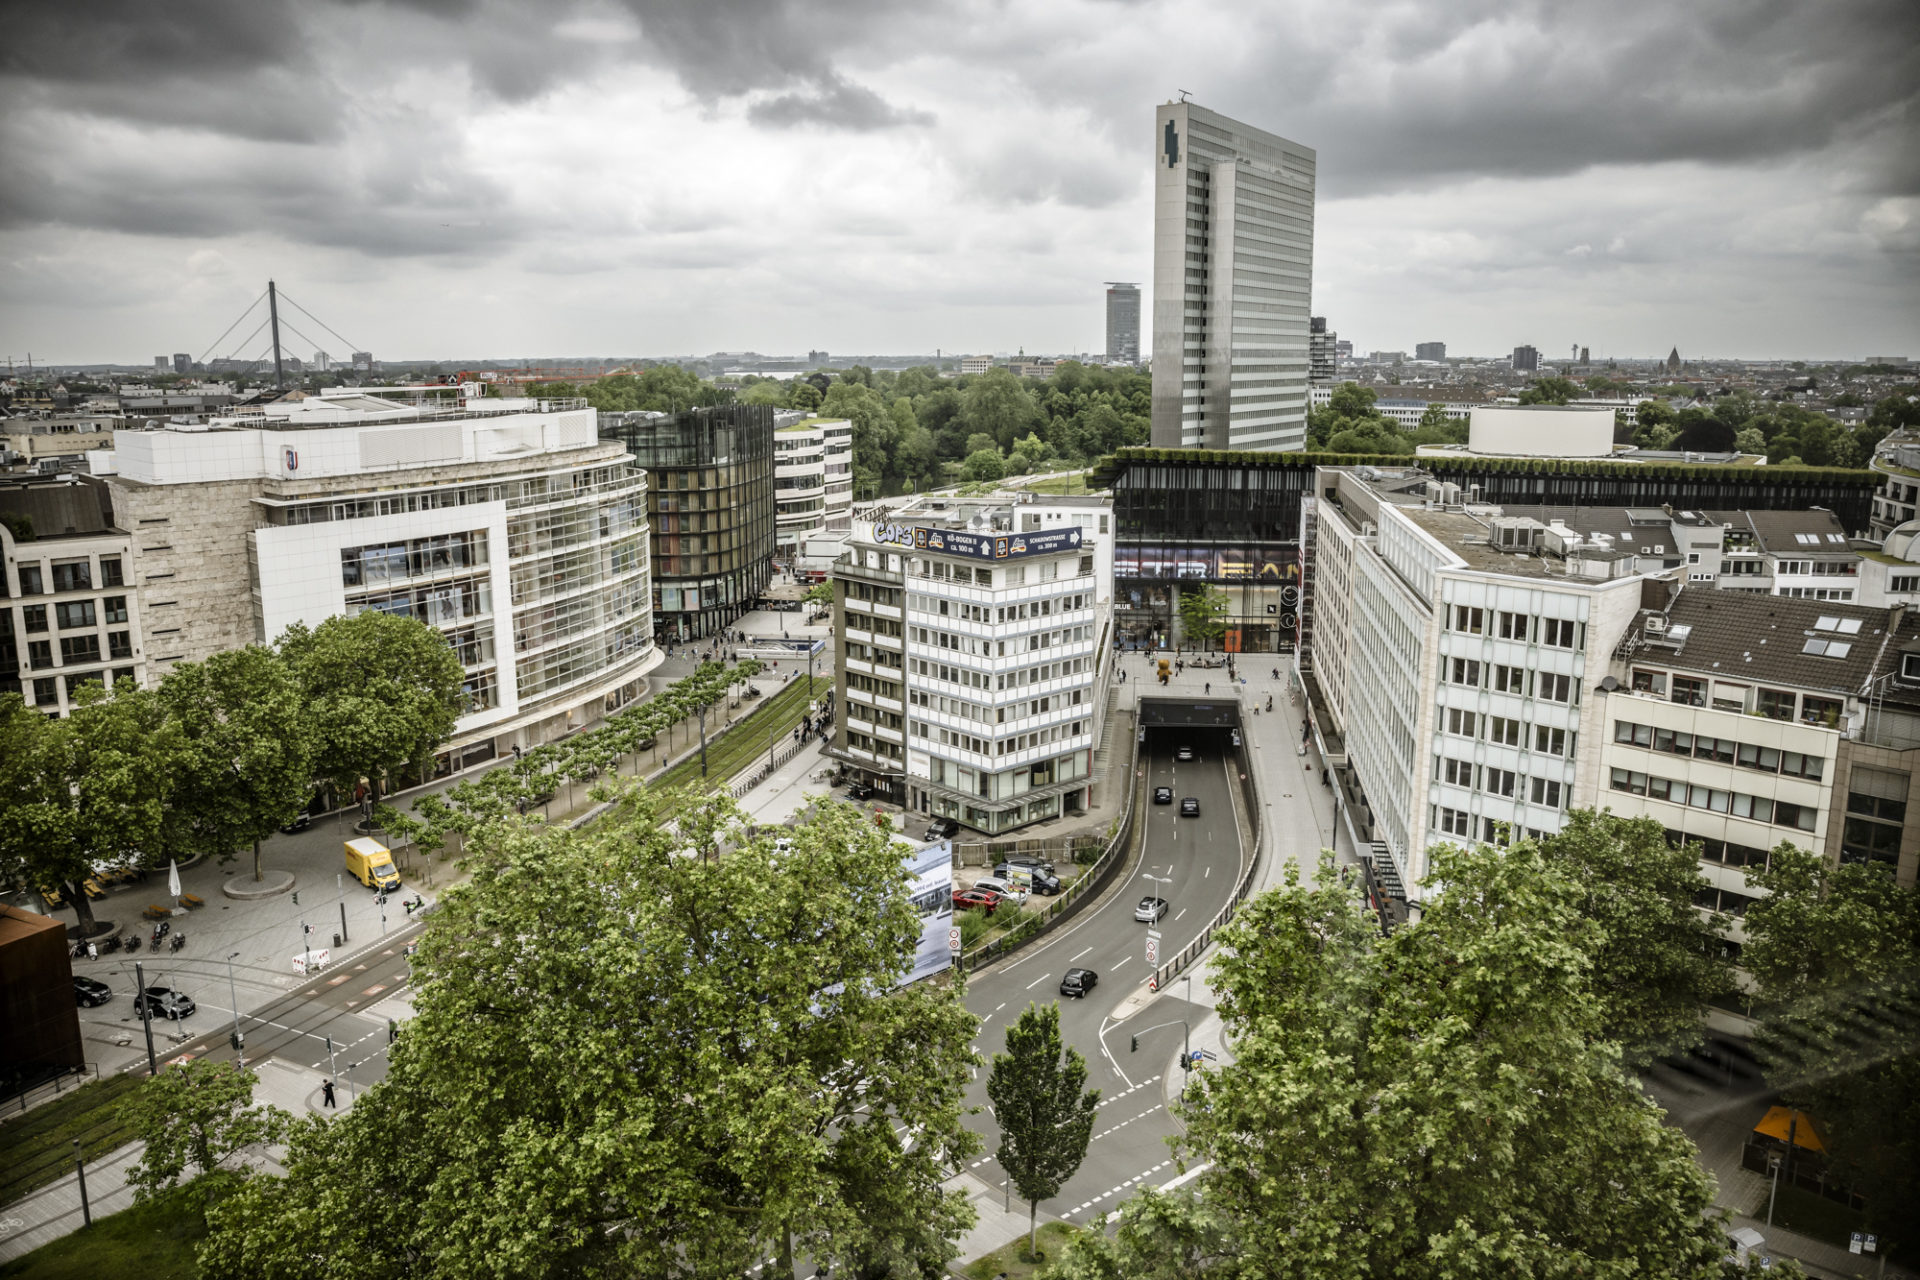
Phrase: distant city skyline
{"type": "Point", "coordinates": [617, 176]}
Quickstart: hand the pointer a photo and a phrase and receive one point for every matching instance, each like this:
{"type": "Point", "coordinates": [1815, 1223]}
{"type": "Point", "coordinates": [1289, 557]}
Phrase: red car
{"type": "Point", "coordinates": [967, 899]}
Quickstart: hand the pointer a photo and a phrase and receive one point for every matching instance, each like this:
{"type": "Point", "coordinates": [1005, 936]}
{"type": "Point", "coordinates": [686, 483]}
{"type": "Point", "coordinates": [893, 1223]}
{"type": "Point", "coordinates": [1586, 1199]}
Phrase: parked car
{"type": "Point", "coordinates": [942, 829]}
{"type": "Point", "coordinates": [165, 1002]}
{"type": "Point", "coordinates": [861, 791]}
{"type": "Point", "coordinates": [1150, 910]}
{"type": "Point", "coordinates": [1078, 982]}
{"type": "Point", "coordinates": [1189, 806]}
{"type": "Point", "coordinates": [1184, 754]}
{"type": "Point", "coordinates": [969, 899]}
{"type": "Point", "coordinates": [90, 992]}
{"type": "Point", "coordinates": [1163, 795]}
{"type": "Point", "coordinates": [994, 884]}
{"type": "Point", "coordinates": [1032, 861]}
{"type": "Point", "coordinates": [1043, 881]}
{"type": "Point", "coordinates": [301, 822]}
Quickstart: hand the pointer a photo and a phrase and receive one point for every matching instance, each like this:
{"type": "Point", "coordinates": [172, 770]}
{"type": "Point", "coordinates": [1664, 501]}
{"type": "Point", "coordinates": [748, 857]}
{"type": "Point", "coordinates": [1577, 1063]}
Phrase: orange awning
{"type": "Point", "coordinates": [1779, 1121]}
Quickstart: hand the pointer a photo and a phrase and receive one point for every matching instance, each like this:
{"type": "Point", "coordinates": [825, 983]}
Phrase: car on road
{"type": "Point", "coordinates": [300, 822]}
{"type": "Point", "coordinates": [89, 992]}
{"type": "Point", "coordinates": [969, 899]}
{"type": "Point", "coordinates": [165, 1002]}
{"type": "Point", "coordinates": [942, 829]}
{"type": "Point", "coordinates": [861, 791]}
{"type": "Point", "coordinates": [1184, 754]}
{"type": "Point", "coordinates": [1236, 739]}
{"type": "Point", "coordinates": [1078, 982]}
{"type": "Point", "coordinates": [1150, 910]}
{"type": "Point", "coordinates": [1189, 806]}
{"type": "Point", "coordinates": [1163, 795]}
{"type": "Point", "coordinates": [1043, 881]}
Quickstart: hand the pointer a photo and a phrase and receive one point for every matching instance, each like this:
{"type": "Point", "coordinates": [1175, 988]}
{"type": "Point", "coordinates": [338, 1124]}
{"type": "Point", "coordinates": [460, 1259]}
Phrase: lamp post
{"type": "Point", "coordinates": [238, 1042]}
{"type": "Point", "coordinates": [146, 1014]}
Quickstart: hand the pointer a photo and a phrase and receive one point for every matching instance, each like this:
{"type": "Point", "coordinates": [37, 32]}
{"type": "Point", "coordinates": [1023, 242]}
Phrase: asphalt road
{"type": "Point", "coordinates": [1199, 861]}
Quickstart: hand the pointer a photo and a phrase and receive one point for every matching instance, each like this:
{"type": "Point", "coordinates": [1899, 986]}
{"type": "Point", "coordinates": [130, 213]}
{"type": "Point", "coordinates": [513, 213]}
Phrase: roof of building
{"type": "Point", "coordinates": [1806, 644]}
{"type": "Point", "coordinates": [63, 506]}
{"type": "Point", "coordinates": [1648, 529]}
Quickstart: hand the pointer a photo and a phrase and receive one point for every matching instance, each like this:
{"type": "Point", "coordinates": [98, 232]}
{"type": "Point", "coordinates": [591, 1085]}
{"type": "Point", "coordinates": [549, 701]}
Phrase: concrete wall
{"type": "Point", "coordinates": [1540, 430]}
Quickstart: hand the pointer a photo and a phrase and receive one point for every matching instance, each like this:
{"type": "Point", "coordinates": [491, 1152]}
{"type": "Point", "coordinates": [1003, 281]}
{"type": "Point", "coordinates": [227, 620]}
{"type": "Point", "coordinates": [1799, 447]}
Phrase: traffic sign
{"type": "Point", "coordinates": [1153, 950]}
{"type": "Point", "coordinates": [953, 939]}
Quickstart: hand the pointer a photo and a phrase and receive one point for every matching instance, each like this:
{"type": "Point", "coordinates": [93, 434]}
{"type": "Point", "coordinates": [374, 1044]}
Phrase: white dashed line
{"type": "Point", "coordinates": [1037, 981]}
{"type": "Point", "coordinates": [1081, 954]}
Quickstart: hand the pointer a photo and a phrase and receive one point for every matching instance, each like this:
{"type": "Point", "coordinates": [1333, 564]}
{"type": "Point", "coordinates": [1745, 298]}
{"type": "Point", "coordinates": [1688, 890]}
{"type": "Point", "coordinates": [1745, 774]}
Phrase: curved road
{"type": "Point", "coordinates": [1199, 861]}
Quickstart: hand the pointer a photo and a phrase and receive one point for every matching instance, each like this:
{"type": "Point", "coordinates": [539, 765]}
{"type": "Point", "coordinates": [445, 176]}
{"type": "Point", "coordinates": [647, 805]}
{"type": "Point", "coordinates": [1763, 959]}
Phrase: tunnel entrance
{"type": "Point", "coordinates": [1189, 713]}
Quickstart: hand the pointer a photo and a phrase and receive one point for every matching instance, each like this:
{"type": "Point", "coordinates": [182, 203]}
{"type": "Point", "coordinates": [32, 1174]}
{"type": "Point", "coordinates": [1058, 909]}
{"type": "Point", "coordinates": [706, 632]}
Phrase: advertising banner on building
{"type": "Point", "coordinates": [931, 866]}
{"type": "Point", "coordinates": [982, 546]}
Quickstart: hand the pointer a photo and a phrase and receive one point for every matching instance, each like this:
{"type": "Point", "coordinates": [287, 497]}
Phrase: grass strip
{"type": "Point", "coordinates": [39, 1143]}
{"type": "Point", "coordinates": [736, 750]}
{"type": "Point", "coordinates": [1011, 1260]}
{"type": "Point", "coordinates": [154, 1241]}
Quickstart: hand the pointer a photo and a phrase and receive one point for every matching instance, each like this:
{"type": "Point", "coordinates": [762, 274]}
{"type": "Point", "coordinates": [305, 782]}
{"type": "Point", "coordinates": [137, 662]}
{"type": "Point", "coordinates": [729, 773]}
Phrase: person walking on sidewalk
{"type": "Point", "coordinates": [326, 1094]}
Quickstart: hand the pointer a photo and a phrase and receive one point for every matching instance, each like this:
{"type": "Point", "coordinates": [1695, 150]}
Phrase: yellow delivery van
{"type": "Point", "coordinates": [369, 862]}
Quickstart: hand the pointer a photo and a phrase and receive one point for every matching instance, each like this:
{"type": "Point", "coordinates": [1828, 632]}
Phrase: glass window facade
{"type": "Point", "coordinates": [710, 499]}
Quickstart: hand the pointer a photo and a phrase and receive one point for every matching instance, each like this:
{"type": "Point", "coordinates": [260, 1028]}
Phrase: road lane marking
{"type": "Point", "coordinates": [1183, 911]}
{"type": "Point", "coordinates": [1081, 954]}
{"type": "Point", "coordinates": [1206, 873]}
{"type": "Point", "coordinates": [1037, 981]}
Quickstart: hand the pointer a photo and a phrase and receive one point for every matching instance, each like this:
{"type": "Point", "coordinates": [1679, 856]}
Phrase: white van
{"type": "Point", "coordinates": [994, 884]}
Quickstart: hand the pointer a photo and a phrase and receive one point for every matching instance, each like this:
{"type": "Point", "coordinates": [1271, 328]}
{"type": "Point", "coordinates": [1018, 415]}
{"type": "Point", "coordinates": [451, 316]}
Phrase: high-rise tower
{"type": "Point", "coordinates": [1232, 283]}
{"type": "Point", "coordinates": [1123, 323]}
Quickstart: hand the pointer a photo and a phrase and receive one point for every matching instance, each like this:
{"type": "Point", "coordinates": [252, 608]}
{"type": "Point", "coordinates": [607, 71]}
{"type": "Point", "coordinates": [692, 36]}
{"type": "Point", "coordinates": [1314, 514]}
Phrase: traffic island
{"type": "Point", "coordinates": [271, 884]}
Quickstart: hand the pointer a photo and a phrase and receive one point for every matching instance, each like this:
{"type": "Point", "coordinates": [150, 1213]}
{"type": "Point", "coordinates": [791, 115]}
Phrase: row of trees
{"type": "Point", "coordinates": [1455, 1099]}
{"type": "Point", "coordinates": [220, 754]}
{"type": "Point", "coordinates": [1785, 434]}
{"type": "Point", "coordinates": [914, 429]}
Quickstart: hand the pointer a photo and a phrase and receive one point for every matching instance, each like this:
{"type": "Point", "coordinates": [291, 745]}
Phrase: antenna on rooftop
{"type": "Point", "coordinates": [1184, 94]}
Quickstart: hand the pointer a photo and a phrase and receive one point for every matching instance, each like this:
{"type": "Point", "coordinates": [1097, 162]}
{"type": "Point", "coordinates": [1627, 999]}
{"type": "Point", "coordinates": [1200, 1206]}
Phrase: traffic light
{"type": "Point", "coordinates": [237, 1040]}
{"type": "Point", "coordinates": [1136, 1045]}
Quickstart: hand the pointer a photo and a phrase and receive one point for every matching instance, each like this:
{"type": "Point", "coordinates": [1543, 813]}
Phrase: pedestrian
{"type": "Point", "coordinates": [326, 1094]}
{"type": "Point", "coordinates": [1276, 673]}
{"type": "Point", "coordinates": [93, 952]}
{"type": "Point", "coordinates": [1208, 687]}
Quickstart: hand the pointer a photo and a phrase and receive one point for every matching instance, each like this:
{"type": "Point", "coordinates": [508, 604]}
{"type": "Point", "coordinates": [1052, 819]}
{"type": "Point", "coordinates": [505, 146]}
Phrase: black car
{"type": "Point", "coordinates": [1042, 881]}
{"type": "Point", "coordinates": [942, 829]}
{"type": "Point", "coordinates": [301, 822]}
{"type": "Point", "coordinates": [1183, 754]}
{"type": "Point", "coordinates": [1189, 807]}
{"type": "Point", "coordinates": [165, 1002]}
{"type": "Point", "coordinates": [90, 992]}
{"type": "Point", "coordinates": [1078, 982]}
{"type": "Point", "coordinates": [1163, 795]}
{"type": "Point", "coordinates": [861, 791]}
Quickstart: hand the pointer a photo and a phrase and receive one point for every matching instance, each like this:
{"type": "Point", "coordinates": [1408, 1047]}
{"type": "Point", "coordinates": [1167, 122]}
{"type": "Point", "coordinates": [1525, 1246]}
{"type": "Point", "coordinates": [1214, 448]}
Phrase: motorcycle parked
{"type": "Point", "coordinates": [179, 941]}
{"type": "Point", "coordinates": [160, 931]}
{"type": "Point", "coordinates": [110, 945]}
{"type": "Point", "coordinates": [133, 943]}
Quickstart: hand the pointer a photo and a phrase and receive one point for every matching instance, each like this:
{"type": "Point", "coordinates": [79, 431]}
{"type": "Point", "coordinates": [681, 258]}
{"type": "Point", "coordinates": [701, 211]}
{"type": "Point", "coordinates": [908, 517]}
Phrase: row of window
{"type": "Point", "coordinates": [1523, 681]}
{"type": "Point", "coordinates": [1004, 746]}
{"type": "Point", "coordinates": [78, 649]}
{"type": "Point", "coordinates": [69, 617]}
{"type": "Point", "coordinates": [1781, 813]}
{"type": "Point", "coordinates": [998, 648]}
{"type": "Point", "coordinates": [1558, 633]}
{"type": "Point", "coordinates": [1505, 731]}
{"type": "Point", "coordinates": [1774, 704]}
{"type": "Point", "coordinates": [1496, 782]}
{"type": "Point", "coordinates": [1458, 822]}
{"type": "Point", "coordinates": [46, 689]}
{"type": "Point", "coordinates": [965, 710]}
{"type": "Point", "coordinates": [1043, 608]}
{"type": "Point", "coordinates": [72, 575]}
{"type": "Point", "coordinates": [1726, 853]}
{"type": "Point", "coordinates": [1794, 764]}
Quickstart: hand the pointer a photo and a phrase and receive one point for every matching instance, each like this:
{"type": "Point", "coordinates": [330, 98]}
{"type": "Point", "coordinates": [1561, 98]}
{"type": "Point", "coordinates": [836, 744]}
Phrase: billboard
{"type": "Point", "coordinates": [981, 546]}
{"type": "Point", "coordinates": [930, 867]}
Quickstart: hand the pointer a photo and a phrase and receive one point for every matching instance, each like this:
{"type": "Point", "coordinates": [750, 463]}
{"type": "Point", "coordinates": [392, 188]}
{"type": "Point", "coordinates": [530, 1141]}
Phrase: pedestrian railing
{"type": "Point", "coordinates": [1112, 854]}
{"type": "Point", "coordinates": [64, 1081]}
{"type": "Point", "coordinates": [781, 754]}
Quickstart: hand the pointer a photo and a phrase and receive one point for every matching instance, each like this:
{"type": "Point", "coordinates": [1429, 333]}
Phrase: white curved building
{"type": "Point", "coordinates": [812, 480]}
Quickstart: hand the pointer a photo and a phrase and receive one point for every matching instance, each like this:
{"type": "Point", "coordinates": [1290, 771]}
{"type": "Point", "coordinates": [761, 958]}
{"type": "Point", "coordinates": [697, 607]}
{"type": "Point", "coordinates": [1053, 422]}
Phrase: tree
{"type": "Point", "coordinates": [381, 692]}
{"type": "Point", "coordinates": [1352, 400]}
{"type": "Point", "coordinates": [1435, 1103]}
{"type": "Point", "coordinates": [1701, 433]}
{"type": "Point", "coordinates": [1835, 954]}
{"type": "Point", "coordinates": [194, 1118]}
{"type": "Point", "coordinates": [1653, 413]}
{"type": "Point", "coordinates": [1658, 962]}
{"type": "Point", "coordinates": [1043, 1107]}
{"type": "Point", "coordinates": [1550, 391]}
{"type": "Point", "coordinates": [245, 762]}
{"type": "Point", "coordinates": [999, 404]}
{"type": "Point", "coordinates": [986, 464]}
{"type": "Point", "coordinates": [631, 1061]}
{"type": "Point", "coordinates": [85, 792]}
{"type": "Point", "coordinates": [1436, 415]}
{"type": "Point", "coordinates": [1203, 612]}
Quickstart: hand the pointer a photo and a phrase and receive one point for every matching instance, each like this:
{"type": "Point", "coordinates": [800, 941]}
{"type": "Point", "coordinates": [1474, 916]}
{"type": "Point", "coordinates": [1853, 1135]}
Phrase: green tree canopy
{"type": "Point", "coordinates": [1203, 612]}
{"type": "Point", "coordinates": [1352, 400]}
{"type": "Point", "coordinates": [997, 404]}
{"type": "Point", "coordinates": [1043, 1107]}
{"type": "Point", "coordinates": [1551, 391]}
{"type": "Point", "coordinates": [986, 464]}
{"type": "Point", "coordinates": [1436, 1103]}
{"type": "Point", "coordinates": [194, 1118]}
{"type": "Point", "coordinates": [380, 692]}
{"type": "Point", "coordinates": [643, 1049]}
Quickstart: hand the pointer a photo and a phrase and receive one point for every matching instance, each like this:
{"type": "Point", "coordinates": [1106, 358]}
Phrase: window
{"type": "Point", "coordinates": [1509, 680]}
{"type": "Point", "coordinates": [1470, 620]}
{"type": "Point", "coordinates": [115, 608]}
{"type": "Point", "coordinates": [30, 584]}
{"type": "Point", "coordinates": [1454, 822]}
{"type": "Point", "coordinates": [1821, 711]}
{"type": "Point", "coordinates": [1466, 671]}
{"type": "Point", "coordinates": [1555, 688]}
{"type": "Point", "coordinates": [1498, 782]}
{"type": "Point", "coordinates": [33, 617]}
{"type": "Point", "coordinates": [1560, 633]}
{"type": "Point", "coordinates": [1460, 722]}
{"type": "Point", "coordinates": [1650, 682]}
{"type": "Point", "coordinates": [1629, 781]}
{"type": "Point", "coordinates": [75, 575]}
{"type": "Point", "coordinates": [123, 674]}
{"type": "Point", "coordinates": [120, 644]}
{"type": "Point", "coordinates": [1826, 648]}
{"type": "Point", "coordinates": [39, 654]}
{"type": "Point", "coordinates": [1774, 704]}
{"type": "Point", "coordinates": [1550, 741]}
{"type": "Point", "coordinates": [1639, 735]}
{"type": "Point", "coordinates": [110, 575]}
{"type": "Point", "coordinates": [46, 692]}
{"type": "Point", "coordinates": [1689, 692]}
{"type": "Point", "coordinates": [1504, 731]}
{"type": "Point", "coordinates": [73, 616]}
{"type": "Point", "coordinates": [1545, 793]}
{"type": "Point", "coordinates": [1839, 626]}
{"type": "Point", "coordinates": [79, 649]}
{"type": "Point", "coordinates": [1457, 772]}
{"type": "Point", "coordinates": [1514, 626]}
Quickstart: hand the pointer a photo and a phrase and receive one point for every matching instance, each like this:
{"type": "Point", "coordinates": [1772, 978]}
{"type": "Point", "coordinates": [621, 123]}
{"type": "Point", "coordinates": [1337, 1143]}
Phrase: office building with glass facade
{"type": "Point", "coordinates": [508, 525]}
{"type": "Point", "coordinates": [711, 503]}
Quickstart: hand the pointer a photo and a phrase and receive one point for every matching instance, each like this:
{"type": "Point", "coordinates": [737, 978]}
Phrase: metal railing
{"type": "Point", "coordinates": [63, 1082]}
{"type": "Point", "coordinates": [1085, 887]}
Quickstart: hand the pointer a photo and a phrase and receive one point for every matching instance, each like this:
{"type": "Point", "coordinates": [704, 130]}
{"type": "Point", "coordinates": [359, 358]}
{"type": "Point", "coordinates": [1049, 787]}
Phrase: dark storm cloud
{"type": "Point", "coordinates": [836, 104]}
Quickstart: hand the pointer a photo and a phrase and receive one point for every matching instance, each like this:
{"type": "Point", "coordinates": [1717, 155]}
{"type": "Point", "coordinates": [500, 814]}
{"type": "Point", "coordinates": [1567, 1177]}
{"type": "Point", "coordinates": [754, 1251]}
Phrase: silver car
{"type": "Point", "coordinates": [1150, 910]}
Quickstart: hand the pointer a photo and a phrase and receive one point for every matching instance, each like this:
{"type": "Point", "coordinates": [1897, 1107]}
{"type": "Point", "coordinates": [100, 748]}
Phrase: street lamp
{"type": "Point", "coordinates": [238, 1042]}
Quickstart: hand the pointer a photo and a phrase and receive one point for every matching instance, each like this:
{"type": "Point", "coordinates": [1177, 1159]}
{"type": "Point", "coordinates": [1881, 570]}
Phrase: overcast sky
{"type": "Point", "coordinates": [449, 178]}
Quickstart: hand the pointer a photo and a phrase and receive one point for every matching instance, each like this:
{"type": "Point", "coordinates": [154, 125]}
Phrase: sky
{"type": "Point", "coordinates": [445, 179]}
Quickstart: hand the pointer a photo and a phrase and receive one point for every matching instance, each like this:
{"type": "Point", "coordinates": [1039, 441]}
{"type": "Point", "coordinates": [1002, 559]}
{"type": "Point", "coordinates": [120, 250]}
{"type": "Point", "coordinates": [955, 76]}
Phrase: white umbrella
{"type": "Point", "coordinates": [173, 877]}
